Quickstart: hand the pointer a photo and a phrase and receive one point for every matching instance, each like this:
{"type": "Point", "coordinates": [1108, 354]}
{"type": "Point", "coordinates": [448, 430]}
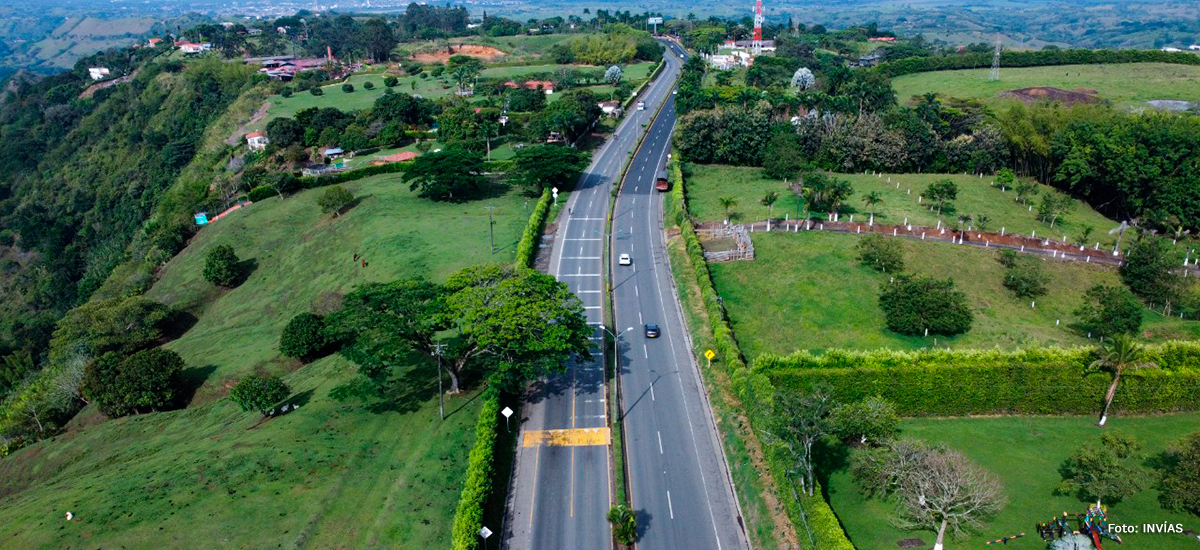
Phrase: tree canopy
{"type": "Point", "coordinates": [543, 166]}
{"type": "Point", "coordinates": [451, 175]}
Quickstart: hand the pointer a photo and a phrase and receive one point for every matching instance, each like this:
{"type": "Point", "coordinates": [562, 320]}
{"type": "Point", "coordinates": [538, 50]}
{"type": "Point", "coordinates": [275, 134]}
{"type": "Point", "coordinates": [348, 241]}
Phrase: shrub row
{"type": "Point", "coordinates": [673, 207]}
{"type": "Point", "coordinates": [527, 248]}
{"type": "Point", "coordinates": [1033, 59]}
{"type": "Point", "coordinates": [755, 390]}
{"type": "Point", "coordinates": [957, 383]}
{"type": "Point", "coordinates": [468, 518]}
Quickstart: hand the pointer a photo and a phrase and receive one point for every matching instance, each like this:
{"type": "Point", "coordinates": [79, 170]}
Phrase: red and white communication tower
{"type": "Point", "coordinates": [758, 22]}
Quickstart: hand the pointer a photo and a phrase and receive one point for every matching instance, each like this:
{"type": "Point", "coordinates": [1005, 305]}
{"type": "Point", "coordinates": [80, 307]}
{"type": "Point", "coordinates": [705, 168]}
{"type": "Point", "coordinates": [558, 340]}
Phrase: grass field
{"type": "Point", "coordinates": [343, 471]}
{"type": "Point", "coordinates": [708, 183]}
{"type": "Point", "coordinates": [429, 87]}
{"type": "Point", "coordinates": [1126, 85]}
{"type": "Point", "coordinates": [808, 291]}
{"type": "Point", "coordinates": [1025, 452]}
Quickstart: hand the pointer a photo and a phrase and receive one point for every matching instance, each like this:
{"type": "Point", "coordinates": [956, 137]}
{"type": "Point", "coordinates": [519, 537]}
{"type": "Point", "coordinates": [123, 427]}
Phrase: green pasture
{"type": "Point", "coordinates": [1124, 84]}
{"type": "Point", "coordinates": [808, 291]}
{"type": "Point", "coordinates": [349, 468]}
{"type": "Point", "coordinates": [1025, 453]}
{"type": "Point", "coordinates": [976, 196]}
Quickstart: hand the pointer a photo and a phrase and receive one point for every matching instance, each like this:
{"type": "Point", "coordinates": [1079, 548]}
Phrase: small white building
{"type": "Point", "coordinates": [1169, 49]}
{"type": "Point", "coordinates": [1194, 47]}
{"type": "Point", "coordinates": [98, 73]}
{"type": "Point", "coordinates": [257, 141]}
{"type": "Point", "coordinates": [610, 108]}
{"type": "Point", "coordinates": [194, 48]}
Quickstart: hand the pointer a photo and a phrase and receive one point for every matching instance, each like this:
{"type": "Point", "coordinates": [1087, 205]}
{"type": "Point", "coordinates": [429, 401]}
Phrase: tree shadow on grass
{"type": "Point", "coordinates": [190, 380]}
{"type": "Point", "coordinates": [245, 269]}
{"type": "Point", "coordinates": [179, 322]}
{"type": "Point", "coordinates": [352, 204]}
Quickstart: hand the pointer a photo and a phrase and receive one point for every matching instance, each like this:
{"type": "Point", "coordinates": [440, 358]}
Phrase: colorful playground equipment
{"type": "Point", "coordinates": [1093, 523]}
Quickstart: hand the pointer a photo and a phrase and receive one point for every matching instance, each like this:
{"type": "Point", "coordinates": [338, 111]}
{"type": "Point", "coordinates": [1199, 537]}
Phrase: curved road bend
{"type": "Point", "coordinates": [561, 485]}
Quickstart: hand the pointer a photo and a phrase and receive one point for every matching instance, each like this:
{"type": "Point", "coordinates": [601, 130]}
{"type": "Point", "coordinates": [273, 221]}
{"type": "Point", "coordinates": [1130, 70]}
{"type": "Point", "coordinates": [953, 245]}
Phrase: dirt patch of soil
{"type": "Point", "coordinates": [486, 53]}
{"type": "Point", "coordinates": [258, 115]}
{"type": "Point", "coordinates": [1042, 93]}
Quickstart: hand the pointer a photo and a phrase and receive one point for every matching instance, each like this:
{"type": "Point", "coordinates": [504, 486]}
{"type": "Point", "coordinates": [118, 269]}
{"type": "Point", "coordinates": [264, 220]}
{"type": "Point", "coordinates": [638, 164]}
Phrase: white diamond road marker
{"type": "Point", "coordinates": [485, 532]}
{"type": "Point", "coordinates": [507, 412]}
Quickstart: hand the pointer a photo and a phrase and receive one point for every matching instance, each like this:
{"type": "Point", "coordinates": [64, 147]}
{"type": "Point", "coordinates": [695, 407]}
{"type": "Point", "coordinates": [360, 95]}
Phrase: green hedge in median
{"type": "Point", "coordinates": [527, 247]}
{"type": "Point", "coordinates": [468, 518]}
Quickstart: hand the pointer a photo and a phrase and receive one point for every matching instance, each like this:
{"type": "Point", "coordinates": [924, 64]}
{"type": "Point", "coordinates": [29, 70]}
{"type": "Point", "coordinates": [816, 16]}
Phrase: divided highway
{"type": "Point", "coordinates": [562, 482]}
{"type": "Point", "coordinates": [678, 476]}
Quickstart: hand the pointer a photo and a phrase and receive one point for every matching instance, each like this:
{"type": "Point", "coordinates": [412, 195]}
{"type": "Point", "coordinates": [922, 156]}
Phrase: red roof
{"type": "Point", "coordinates": [254, 134]}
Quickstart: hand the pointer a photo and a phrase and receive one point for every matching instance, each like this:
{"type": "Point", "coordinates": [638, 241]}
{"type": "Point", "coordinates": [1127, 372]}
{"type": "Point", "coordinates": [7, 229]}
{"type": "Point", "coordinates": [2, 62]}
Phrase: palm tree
{"type": "Point", "coordinates": [769, 201]}
{"type": "Point", "coordinates": [963, 219]}
{"type": "Point", "coordinates": [1120, 354]}
{"type": "Point", "coordinates": [872, 199]}
{"type": "Point", "coordinates": [727, 203]}
{"type": "Point", "coordinates": [982, 221]}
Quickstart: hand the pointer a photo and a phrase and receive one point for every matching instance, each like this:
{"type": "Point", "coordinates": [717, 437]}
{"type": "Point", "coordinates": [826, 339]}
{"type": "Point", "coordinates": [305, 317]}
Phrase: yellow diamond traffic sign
{"type": "Point", "coordinates": [709, 355]}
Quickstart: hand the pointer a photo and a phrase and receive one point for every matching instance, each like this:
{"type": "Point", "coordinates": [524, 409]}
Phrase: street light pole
{"type": "Point", "coordinates": [441, 394]}
{"type": "Point", "coordinates": [491, 227]}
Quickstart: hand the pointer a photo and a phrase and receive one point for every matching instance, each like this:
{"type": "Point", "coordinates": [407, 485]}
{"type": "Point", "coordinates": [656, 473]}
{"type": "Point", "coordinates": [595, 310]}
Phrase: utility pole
{"type": "Point", "coordinates": [996, 61]}
{"type": "Point", "coordinates": [441, 402]}
{"type": "Point", "coordinates": [491, 226]}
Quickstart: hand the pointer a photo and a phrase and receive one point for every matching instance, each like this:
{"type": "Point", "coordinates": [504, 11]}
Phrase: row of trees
{"type": "Point", "coordinates": [1127, 165]}
{"type": "Point", "coordinates": [925, 138]}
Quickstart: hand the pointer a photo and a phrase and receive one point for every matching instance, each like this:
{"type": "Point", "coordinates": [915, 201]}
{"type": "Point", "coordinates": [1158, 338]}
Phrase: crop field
{"type": "Point", "coordinates": [808, 291]}
{"type": "Point", "coordinates": [1126, 85]}
{"type": "Point", "coordinates": [1025, 453]}
{"type": "Point", "coordinates": [349, 468]}
{"type": "Point", "coordinates": [708, 183]}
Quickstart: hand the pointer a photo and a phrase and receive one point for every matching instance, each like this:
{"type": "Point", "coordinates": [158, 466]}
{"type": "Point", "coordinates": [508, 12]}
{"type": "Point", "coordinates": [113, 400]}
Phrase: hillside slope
{"type": "Point", "coordinates": [350, 468]}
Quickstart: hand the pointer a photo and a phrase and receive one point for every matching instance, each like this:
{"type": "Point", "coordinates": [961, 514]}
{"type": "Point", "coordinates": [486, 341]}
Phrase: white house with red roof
{"type": "Point", "coordinates": [257, 141]}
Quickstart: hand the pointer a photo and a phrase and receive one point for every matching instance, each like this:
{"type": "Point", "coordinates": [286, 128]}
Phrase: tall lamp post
{"type": "Point", "coordinates": [616, 347]}
{"type": "Point", "coordinates": [441, 394]}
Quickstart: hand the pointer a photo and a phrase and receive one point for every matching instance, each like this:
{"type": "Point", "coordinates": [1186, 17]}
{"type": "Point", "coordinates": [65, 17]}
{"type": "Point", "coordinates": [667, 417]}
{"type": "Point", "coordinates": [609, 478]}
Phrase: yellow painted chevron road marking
{"type": "Point", "coordinates": [574, 437]}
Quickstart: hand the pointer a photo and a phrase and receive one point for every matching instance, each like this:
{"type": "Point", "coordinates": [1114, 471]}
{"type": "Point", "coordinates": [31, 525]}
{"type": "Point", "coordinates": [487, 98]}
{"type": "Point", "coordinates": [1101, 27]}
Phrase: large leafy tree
{"type": "Point", "coordinates": [121, 325]}
{"type": "Point", "coordinates": [914, 304]}
{"type": "Point", "coordinates": [544, 166]}
{"type": "Point", "coordinates": [380, 323]}
{"type": "Point", "coordinates": [221, 266]}
{"type": "Point", "coordinates": [570, 116]}
{"type": "Point", "coordinates": [1107, 469]}
{"type": "Point", "coordinates": [1149, 271]}
{"type": "Point", "coordinates": [1108, 311]}
{"type": "Point", "coordinates": [526, 323]}
{"type": "Point", "coordinates": [1119, 356]}
{"type": "Point", "coordinates": [377, 39]}
{"type": "Point", "coordinates": [1180, 488]}
{"type": "Point", "coordinates": [799, 420]}
{"type": "Point", "coordinates": [143, 382]}
{"type": "Point", "coordinates": [463, 69]}
{"type": "Point", "coordinates": [259, 393]}
{"type": "Point", "coordinates": [403, 108]}
{"type": "Point", "coordinates": [452, 175]}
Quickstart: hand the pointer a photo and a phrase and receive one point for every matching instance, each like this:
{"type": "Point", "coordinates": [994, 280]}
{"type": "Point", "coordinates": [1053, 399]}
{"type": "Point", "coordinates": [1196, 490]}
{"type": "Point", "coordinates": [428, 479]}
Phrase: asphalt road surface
{"type": "Point", "coordinates": [679, 481]}
{"type": "Point", "coordinates": [562, 482]}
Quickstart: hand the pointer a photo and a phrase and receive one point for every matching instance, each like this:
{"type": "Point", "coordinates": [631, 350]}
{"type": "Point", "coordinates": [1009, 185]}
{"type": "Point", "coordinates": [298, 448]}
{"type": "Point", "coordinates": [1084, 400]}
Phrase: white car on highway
{"type": "Point", "coordinates": [624, 259]}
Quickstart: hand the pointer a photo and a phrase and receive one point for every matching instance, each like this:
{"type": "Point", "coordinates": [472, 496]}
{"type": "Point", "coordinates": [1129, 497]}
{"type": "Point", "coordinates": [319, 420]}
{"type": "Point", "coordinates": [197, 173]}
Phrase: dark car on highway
{"type": "Point", "coordinates": [651, 330]}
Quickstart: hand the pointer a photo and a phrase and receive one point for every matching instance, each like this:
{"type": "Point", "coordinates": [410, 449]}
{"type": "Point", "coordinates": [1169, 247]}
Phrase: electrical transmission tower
{"type": "Point", "coordinates": [996, 61]}
{"type": "Point", "coordinates": [756, 45]}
